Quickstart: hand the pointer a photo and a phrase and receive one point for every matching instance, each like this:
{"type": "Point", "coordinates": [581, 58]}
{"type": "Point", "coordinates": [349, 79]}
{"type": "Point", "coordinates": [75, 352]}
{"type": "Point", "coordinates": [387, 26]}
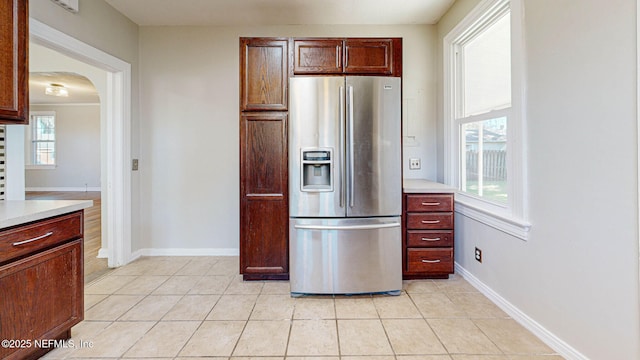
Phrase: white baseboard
{"type": "Point", "coordinates": [79, 189]}
{"type": "Point", "coordinates": [103, 253]}
{"type": "Point", "coordinates": [523, 319]}
{"type": "Point", "coordinates": [184, 252]}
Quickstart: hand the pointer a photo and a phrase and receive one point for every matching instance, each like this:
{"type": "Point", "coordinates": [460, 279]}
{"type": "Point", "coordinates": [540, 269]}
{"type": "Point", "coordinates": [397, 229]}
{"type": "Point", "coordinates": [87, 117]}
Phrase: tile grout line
{"type": "Point", "coordinates": [246, 322]}
{"type": "Point", "coordinates": [335, 314]}
{"type": "Point", "coordinates": [429, 325]}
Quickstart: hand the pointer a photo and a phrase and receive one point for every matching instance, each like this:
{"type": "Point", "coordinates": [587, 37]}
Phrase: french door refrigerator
{"type": "Point", "coordinates": [345, 185]}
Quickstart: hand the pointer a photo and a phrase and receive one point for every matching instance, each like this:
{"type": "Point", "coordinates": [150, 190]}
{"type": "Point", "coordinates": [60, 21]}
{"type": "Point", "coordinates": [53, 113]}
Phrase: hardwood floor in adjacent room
{"type": "Point", "coordinates": [93, 267]}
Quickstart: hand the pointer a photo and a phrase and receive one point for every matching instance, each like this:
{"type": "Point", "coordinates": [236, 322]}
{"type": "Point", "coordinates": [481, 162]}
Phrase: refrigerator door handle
{"type": "Point", "coordinates": [351, 189]}
{"type": "Point", "coordinates": [347, 227]}
{"type": "Point", "coordinates": [343, 180]}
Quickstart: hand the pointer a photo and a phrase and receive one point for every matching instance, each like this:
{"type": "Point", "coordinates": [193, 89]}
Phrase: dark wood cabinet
{"type": "Point", "coordinates": [14, 62]}
{"type": "Point", "coordinates": [317, 56]}
{"type": "Point", "coordinates": [349, 56]}
{"type": "Point", "coordinates": [263, 74]}
{"type": "Point", "coordinates": [42, 282]}
{"type": "Point", "coordinates": [369, 56]}
{"type": "Point", "coordinates": [428, 235]}
{"type": "Point", "coordinates": [264, 206]}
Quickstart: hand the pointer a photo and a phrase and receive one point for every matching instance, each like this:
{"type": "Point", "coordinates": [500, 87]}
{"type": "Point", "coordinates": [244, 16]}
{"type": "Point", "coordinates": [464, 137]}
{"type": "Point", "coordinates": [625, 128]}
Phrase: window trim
{"type": "Point", "coordinates": [29, 142]}
{"type": "Point", "coordinates": [512, 218]}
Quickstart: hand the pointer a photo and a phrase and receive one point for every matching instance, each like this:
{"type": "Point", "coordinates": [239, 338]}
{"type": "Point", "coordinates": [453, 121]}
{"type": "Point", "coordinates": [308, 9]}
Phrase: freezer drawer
{"type": "Point", "coordinates": [345, 256]}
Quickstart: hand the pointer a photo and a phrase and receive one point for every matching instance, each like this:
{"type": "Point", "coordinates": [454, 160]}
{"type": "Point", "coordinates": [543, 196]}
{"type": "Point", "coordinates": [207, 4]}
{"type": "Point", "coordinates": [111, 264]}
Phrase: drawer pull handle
{"type": "Point", "coordinates": [431, 261]}
{"type": "Point", "coordinates": [34, 239]}
{"type": "Point", "coordinates": [430, 221]}
{"type": "Point", "coordinates": [430, 203]}
{"type": "Point", "coordinates": [429, 239]}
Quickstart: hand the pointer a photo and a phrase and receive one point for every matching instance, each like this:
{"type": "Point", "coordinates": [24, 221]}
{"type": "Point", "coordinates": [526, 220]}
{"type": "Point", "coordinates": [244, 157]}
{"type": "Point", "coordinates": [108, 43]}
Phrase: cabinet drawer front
{"type": "Point", "coordinates": [26, 239]}
{"type": "Point", "coordinates": [430, 221]}
{"type": "Point", "coordinates": [431, 202]}
{"type": "Point", "coordinates": [429, 238]}
{"type": "Point", "coordinates": [430, 260]}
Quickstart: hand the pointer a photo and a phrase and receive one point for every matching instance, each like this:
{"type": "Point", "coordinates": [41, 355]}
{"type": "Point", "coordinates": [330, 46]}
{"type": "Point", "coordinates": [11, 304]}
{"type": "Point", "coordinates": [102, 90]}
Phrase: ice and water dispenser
{"type": "Point", "coordinates": [316, 169]}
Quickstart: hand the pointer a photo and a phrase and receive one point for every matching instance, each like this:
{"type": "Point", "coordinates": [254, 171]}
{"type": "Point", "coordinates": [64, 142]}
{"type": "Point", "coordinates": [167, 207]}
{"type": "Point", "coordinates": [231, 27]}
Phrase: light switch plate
{"type": "Point", "coordinates": [134, 164]}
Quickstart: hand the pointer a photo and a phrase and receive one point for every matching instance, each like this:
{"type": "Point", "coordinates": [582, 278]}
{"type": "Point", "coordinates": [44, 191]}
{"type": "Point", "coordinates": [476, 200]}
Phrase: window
{"type": "Point", "coordinates": [41, 140]}
{"type": "Point", "coordinates": [483, 116]}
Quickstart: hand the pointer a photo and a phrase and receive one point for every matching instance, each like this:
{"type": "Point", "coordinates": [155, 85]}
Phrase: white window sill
{"type": "Point", "coordinates": [506, 223]}
{"type": "Point", "coordinates": [40, 167]}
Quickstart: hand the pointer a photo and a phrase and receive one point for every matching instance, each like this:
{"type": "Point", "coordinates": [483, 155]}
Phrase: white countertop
{"type": "Point", "coordinates": [425, 186]}
{"type": "Point", "coordinates": [16, 212]}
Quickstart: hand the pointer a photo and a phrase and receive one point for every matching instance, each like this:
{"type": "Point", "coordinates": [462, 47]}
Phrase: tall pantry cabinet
{"type": "Point", "coordinates": [14, 62]}
{"type": "Point", "coordinates": [263, 159]}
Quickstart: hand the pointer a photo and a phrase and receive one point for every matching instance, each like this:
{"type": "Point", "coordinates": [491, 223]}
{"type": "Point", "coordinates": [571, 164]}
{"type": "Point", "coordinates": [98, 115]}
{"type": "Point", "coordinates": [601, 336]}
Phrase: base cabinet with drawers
{"type": "Point", "coordinates": [41, 284]}
{"type": "Point", "coordinates": [427, 235]}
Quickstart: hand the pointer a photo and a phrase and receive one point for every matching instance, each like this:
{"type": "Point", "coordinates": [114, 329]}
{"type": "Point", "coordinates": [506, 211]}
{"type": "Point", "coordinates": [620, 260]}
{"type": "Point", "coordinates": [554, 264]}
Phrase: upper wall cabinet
{"type": "Point", "coordinates": [350, 56]}
{"type": "Point", "coordinates": [318, 56]}
{"type": "Point", "coordinates": [263, 74]}
{"type": "Point", "coordinates": [369, 56]}
{"type": "Point", "coordinates": [14, 62]}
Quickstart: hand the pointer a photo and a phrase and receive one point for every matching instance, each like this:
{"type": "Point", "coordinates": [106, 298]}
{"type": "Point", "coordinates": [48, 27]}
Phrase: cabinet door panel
{"type": "Point", "coordinates": [264, 196]}
{"type": "Point", "coordinates": [369, 56]}
{"type": "Point", "coordinates": [317, 56]}
{"type": "Point", "coordinates": [265, 249]}
{"type": "Point", "coordinates": [264, 154]}
{"type": "Point", "coordinates": [14, 75]}
{"type": "Point", "coordinates": [42, 296]}
{"type": "Point", "coordinates": [263, 74]}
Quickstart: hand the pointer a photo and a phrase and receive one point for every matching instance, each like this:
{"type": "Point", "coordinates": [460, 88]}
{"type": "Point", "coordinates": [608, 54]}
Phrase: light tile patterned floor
{"type": "Point", "coordinates": [198, 307]}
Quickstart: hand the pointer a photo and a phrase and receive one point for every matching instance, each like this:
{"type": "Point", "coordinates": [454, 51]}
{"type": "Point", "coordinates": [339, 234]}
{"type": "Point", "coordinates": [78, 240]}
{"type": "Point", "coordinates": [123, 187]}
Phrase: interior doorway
{"type": "Point", "coordinates": [62, 142]}
{"type": "Point", "coordinates": [115, 137]}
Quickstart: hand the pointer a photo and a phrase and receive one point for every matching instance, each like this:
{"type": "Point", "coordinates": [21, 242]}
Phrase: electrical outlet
{"type": "Point", "coordinates": [478, 255]}
{"type": "Point", "coordinates": [414, 164]}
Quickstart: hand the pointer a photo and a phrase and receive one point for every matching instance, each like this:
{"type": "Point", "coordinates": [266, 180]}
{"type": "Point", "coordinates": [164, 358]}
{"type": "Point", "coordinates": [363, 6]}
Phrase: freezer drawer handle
{"type": "Point", "coordinates": [348, 227]}
{"type": "Point", "coordinates": [431, 261]}
{"type": "Point", "coordinates": [429, 239]}
{"type": "Point", "coordinates": [430, 221]}
{"type": "Point", "coordinates": [34, 239]}
{"type": "Point", "coordinates": [430, 203]}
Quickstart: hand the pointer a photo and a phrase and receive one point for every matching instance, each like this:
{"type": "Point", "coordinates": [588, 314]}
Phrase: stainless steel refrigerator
{"type": "Point", "coordinates": [345, 185]}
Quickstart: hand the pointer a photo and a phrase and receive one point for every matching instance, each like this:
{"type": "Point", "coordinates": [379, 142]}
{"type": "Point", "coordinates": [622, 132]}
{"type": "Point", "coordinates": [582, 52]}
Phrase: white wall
{"type": "Point", "coordinates": [577, 275]}
{"type": "Point", "coordinates": [190, 124]}
{"type": "Point", "coordinates": [77, 150]}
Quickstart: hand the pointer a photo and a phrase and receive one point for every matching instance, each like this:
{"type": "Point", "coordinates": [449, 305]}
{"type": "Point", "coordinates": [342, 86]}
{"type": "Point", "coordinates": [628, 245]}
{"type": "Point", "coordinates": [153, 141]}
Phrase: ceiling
{"type": "Point", "coordinates": [81, 90]}
{"type": "Point", "coordinates": [243, 13]}
{"type": "Point", "coordinates": [281, 12]}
